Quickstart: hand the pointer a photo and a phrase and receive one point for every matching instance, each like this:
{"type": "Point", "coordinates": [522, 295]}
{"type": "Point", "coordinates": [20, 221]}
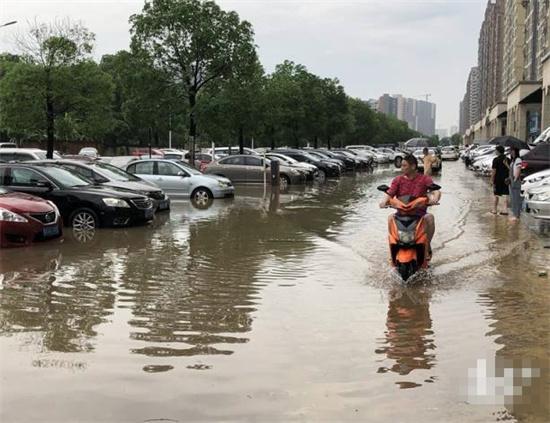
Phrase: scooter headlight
{"type": "Point", "coordinates": [406, 237]}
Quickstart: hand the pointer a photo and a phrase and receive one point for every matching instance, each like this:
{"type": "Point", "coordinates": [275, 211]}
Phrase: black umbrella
{"type": "Point", "coordinates": [509, 141]}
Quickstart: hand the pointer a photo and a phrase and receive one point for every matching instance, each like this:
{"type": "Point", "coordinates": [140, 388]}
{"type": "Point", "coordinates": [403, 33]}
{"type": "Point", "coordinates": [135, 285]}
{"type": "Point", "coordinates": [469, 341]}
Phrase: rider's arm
{"type": "Point", "coordinates": [390, 193]}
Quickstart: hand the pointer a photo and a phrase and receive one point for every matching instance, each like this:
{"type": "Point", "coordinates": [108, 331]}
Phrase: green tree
{"type": "Point", "coordinates": [146, 103]}
{"type": "Point", "coordinates": [53, 48]}
{"type": "Point", "coordinates": [193, 41]}
{"type": "Point", "coordinates": [80, 101]}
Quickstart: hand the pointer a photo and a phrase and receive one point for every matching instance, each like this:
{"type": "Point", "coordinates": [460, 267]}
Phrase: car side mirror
{"type": "Point", "coordinates": [44, 184]}
{"type": "Point", "coordinates": [182, 174]}
{"type": "Point", "coordinates": [382, 188]}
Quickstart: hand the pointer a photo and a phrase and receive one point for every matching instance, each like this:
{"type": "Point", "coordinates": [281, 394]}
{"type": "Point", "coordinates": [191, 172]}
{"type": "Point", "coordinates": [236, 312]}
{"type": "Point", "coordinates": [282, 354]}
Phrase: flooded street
{"type": "Point", "coordinates": [280, 309]}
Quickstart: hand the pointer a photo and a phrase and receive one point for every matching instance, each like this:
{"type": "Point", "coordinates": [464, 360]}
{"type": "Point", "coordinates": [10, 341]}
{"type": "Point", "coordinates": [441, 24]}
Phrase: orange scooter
{"type": "Point", "coordinates": [409, 246]}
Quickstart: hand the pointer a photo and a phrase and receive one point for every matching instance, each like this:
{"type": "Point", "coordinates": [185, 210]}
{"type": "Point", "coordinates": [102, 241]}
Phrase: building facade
{"type": "Point", "coordinates": [514, 72]}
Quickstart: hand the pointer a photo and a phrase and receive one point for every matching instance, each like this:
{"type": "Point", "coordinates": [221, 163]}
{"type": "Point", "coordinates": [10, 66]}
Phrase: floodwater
{"type": "Point", "coordinates": [281, 308]}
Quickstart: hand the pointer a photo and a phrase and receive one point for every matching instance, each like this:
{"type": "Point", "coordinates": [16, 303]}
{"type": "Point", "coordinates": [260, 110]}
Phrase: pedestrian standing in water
{"type": "Point", "coordinates": [499, 173]}
{"type": "Point", "coordinates": [429, 161]}
{"type": "Point", "coordinates": [515, 184]}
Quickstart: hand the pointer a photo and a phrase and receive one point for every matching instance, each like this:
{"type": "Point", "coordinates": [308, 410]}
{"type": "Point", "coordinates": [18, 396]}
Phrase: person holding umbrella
{"type": "Point", "coordinates": [499, 173]}
{"type": "Point", "coordinates": [514, 180]}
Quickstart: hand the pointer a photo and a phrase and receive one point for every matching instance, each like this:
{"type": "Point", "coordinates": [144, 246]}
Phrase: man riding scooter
{"type": "Point", "coordinates": [418, 192]}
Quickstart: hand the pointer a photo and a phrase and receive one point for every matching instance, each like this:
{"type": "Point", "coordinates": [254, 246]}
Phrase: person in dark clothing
{"type": "Point", "coordinates": [499, 173]}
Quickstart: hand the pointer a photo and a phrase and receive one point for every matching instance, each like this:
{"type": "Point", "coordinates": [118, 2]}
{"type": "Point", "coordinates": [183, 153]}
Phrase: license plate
{"type": "Point", "coordinates": [149, 213]}
{"type": "Point", "coordinates": [163, 204]}
{"type": "Point", "coordinates": [49, 231]}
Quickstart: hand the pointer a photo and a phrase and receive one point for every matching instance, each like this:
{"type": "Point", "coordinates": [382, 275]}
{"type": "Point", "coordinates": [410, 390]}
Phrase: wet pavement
{"type": "Point", "coordinates": [281, 308]}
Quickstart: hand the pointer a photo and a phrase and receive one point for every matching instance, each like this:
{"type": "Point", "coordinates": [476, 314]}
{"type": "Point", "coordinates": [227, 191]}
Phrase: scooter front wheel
{"type": "Point", "coordinates": [406, 270]}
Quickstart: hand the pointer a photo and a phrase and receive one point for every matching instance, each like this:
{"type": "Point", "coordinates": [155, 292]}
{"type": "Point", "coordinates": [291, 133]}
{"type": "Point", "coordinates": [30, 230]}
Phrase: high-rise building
{"type": "Point", "coordinates": [473, 94]}
{"type": "Point", "coordinates": [462, 125]}
{"type": "Point", "coordinates": [490, 56]}
{"type": "Point", "coordinates": [514, 42]}
{"type": "Point", "coordinates": [442, 133]}
{"type": "Point", "coordinates": [453, 130]}
{"type": "Point", "coordinates": [419, 115]}
{"type": "Point", "coordinates": [387, 105]}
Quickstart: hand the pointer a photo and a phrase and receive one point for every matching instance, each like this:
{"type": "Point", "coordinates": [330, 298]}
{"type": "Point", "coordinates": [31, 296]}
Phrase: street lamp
{"type": "Point", "coordinates": [8, 23]}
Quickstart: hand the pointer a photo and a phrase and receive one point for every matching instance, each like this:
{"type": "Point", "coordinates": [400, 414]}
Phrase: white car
{"type": "Point", "coordinates": [537, 202]}
{"type": "Point", "coordinates": [24, 154]}
{"type": "Point", "coordinates": [89, 152]}
{"type": "Point", "coordinates": [534, 180]}
{"type": "Point", "coordinates": [178, 179]}
{"type": "Point", "coordinates": [388, 152]}
{"type": "Point", "coordinates": [543, 137]}
{"type": "Point", "coordinates": [224, 151]}
{"type": "Point", "coordinates": [449, 153]}
{"type": "Point", "coordinates": [308, 168]}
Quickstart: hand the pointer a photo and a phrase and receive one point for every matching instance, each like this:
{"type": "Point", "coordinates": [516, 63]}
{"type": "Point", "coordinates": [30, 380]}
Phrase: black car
{"type": "Point", "coordinates": [350, 164]}
{"type": "Point", "coordinates": [364, 163]}
{"type": "Point", "coordinates": [111, 176]}
{"type": "Point", "coordinates": [325, 167]}
{"type": "Point", "coordinates": [536, 160]}
{"type": "Point", "coordinates": [81, 204]}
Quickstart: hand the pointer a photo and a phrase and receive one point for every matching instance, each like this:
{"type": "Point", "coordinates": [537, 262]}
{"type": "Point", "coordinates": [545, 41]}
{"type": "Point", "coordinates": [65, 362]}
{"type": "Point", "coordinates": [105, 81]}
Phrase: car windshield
{"type": "Point", "coordinates": [279, 158]}
{"type": "Point", "coordinates": [114, 173]}
{"type": "Point", "coordinates": [311, 156]}
{"type": "Point", "coordinates": [188, 167]}
{"type": "Point", "coordinates": [64, 177]}
{"type": "Point", "coordinates": [41, 155]}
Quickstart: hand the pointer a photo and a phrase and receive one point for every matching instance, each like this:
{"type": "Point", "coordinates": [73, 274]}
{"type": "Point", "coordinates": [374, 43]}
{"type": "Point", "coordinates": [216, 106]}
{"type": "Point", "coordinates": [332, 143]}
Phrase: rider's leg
{"type": "Point", "coordinates": [429, 221]}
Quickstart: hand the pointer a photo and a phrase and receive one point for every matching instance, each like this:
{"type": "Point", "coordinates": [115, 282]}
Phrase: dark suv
{"type": "Point", "coordinates": [536, 160]}
{"type": "Point", "coordinates": [111, 176]}
{"type": "Point", "coordinates": [81, 204]}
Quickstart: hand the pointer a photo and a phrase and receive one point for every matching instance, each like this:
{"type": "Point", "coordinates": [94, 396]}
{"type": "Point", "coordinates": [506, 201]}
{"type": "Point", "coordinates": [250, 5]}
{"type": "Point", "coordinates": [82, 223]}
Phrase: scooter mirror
{"type": "Point", "coordinates": [383, 188]}
{"type": "Point", "coordinates": [434, 187]}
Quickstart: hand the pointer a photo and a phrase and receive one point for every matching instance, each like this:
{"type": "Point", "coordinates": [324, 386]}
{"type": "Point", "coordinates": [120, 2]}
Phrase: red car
{"type": "Point", "coordinates": [25, 219]}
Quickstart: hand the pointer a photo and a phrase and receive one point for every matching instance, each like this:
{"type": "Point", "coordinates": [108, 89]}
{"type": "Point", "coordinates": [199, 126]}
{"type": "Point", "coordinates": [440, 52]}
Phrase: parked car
{"type": "Point", "coordinates": [326, 169]}
{"type": "Point", "coordinates": [543, 137]}
{"type": "Point", "coordinates": [89, 152]}
{"type": "Point", "coordinates": [311, 172]}
{"type": "Point", "coordinates": [449, 153]}
{"type": "Point", "coordinates": [119, 161]}
{"type": "Point", "coordinates": [146, 153]}
{"type": "Point", "coordinates": [534, 180]}
{"type": "Point", "coordinates": [25, 219]}
{"type": "Point", "coordinates": [227, 151]}
{"type": "Point", "coordinates": [536, 160]}
{"type": "Point", "coordinates": [201, 159]}
{"type": "Point", "coordinates": [111, 176]}
{"type": "Point", "coordinates": [179, 179]}
{"type": "Point", "coordinates": [8, 145]}
{"type": "Point", "coordinates": [365, 161]}
{"type": "Point", "coordinates": [419, 154]}
{"type": "Point", "coordinates": [537, 202]}
{"type": "Point", "coordinates": [326, 155]}
{"type": "Point", "coordinates": [82, 205]}
{"type": "Point", "coordinates": [24, 154]}
{"type": "Point", "coordinates": [251, 168]}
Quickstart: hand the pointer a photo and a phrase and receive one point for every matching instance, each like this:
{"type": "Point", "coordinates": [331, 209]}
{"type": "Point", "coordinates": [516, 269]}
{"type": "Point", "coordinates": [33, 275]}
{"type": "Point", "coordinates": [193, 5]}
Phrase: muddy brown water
{"type": "Point", "coordinates": [281, 308]}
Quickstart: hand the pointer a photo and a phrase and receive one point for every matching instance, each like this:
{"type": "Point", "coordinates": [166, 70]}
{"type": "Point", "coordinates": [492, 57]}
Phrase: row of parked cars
{"type": "Point", "coordinates": [535, 185]}
{"type": "Point", "coordinates": [38, 197]}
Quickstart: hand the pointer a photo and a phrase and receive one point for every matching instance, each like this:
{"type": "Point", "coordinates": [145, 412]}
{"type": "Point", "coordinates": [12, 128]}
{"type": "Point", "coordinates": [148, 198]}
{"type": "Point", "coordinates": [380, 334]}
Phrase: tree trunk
{"type": "Point", "coordinates": [192, 126]}
{"type": "Point", "coordinates": [241, 140]}
{"type": "Point", "coordinates": [272, 136]}
{"type": "Point", "coordinates": [316, 142]}
{"type": "Point", "coordinates": [328, 143]}
{"type": "Point", "coordinates": [50, 118]}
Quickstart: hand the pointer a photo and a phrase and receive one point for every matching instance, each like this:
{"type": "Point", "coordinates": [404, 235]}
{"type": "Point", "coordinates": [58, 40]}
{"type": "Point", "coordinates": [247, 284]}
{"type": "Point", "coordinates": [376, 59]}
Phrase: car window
{"type": "Point", "coordinates": [3, 172]}
{"type": "Point", "coordinates": [168, 169]}
{"type": "Point", "coordinates": [143, 168]}
{"type": "Point", "coordinates": [21, 157]}
{"type": "Point", "coordinates": [252, 161]}
{"type": "Point", "coordinates": [233, 161]}
{"type": "Point", "coordinates": [79, 170]}
{"type": "Point", "coordinates": [542, 151]}
{"type": "Point", "coordinates": [111, 172]}
{"type": "Point", "coordinates": [25, 177]}
{"type": "Point", "coordinates": [7, 157]}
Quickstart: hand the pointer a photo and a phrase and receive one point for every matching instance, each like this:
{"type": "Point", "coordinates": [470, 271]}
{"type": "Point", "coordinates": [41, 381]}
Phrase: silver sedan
{"type": "Point", "coordinates": [178, 179]}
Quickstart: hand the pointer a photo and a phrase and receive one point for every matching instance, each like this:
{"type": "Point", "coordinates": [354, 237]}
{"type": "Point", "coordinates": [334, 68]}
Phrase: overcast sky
{"type": "Point", "coordinates": [407, 47]}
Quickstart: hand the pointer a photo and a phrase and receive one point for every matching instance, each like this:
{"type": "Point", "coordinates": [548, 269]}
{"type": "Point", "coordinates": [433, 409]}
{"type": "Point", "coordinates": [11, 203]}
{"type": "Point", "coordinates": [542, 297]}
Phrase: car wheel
{"type": "Point", "coordinates": [398, 160]}
{"type": "Point", "coordinates": [321, 175]}
{"type": "Point", "coordinates": [84, 220]}
{"type": "Point", "coordinates": [202, 196]}
{"type": "Point", "coordinates": [284, 182]}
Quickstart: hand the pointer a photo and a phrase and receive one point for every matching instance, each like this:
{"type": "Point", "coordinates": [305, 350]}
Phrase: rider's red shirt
{"type": "Point", "coordinates": [415, 187]}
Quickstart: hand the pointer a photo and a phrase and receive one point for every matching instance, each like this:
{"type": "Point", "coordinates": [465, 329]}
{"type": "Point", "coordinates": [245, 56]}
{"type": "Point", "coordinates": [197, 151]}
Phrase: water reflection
{"type": "Point", "coordinates": [408, 341]}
